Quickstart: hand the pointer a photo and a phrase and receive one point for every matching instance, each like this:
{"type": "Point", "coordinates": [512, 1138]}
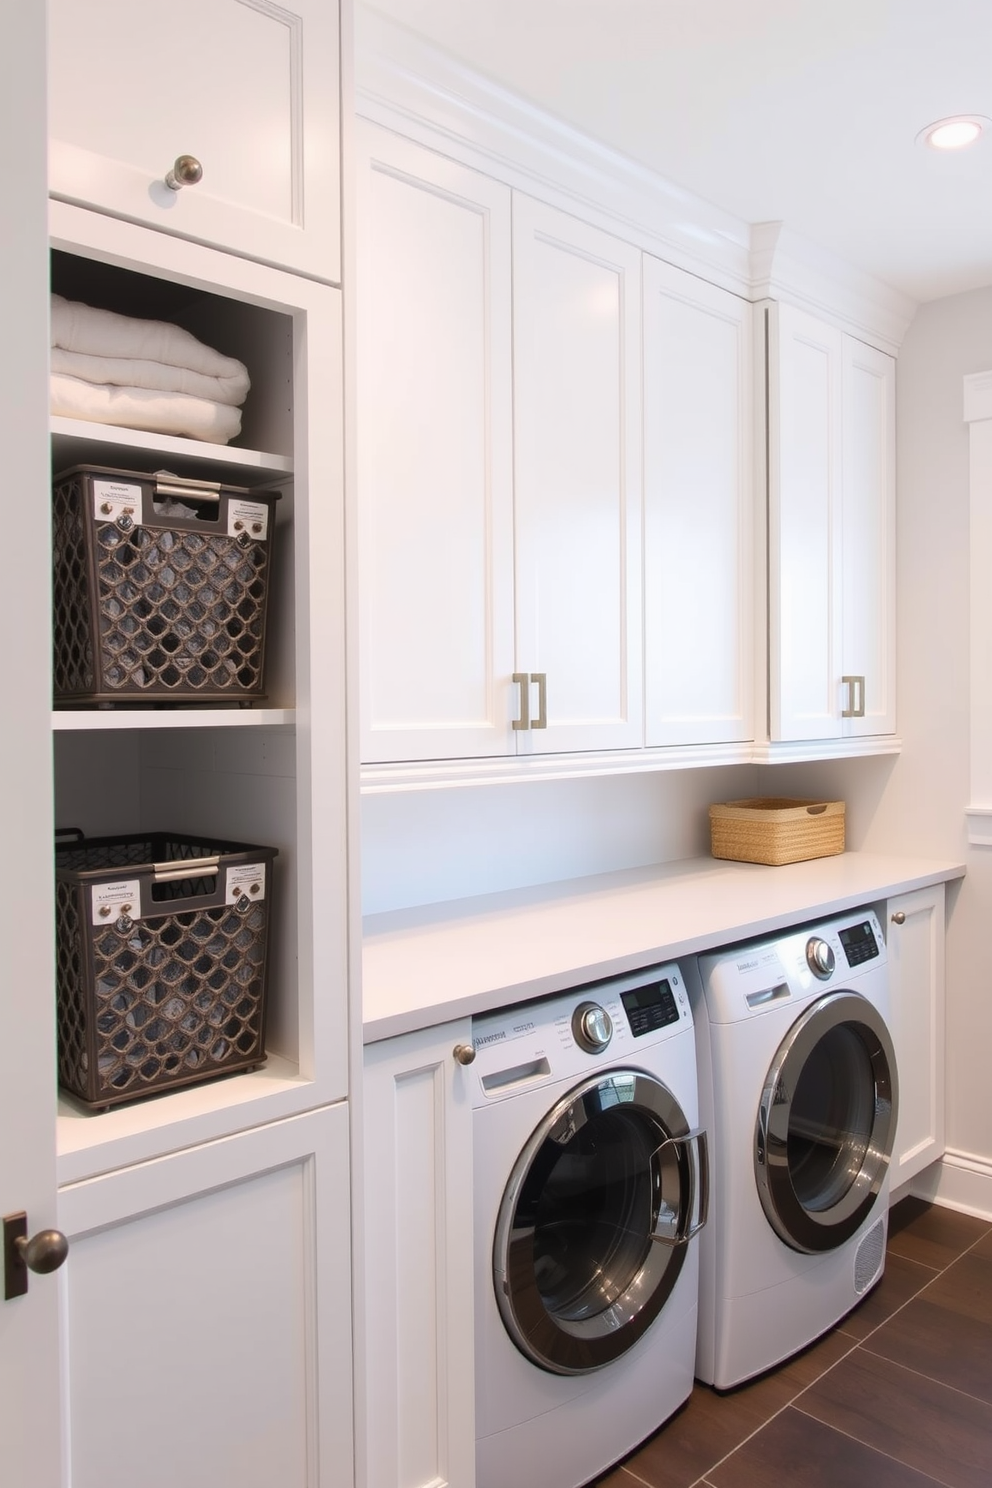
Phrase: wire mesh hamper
{"type": "Point", "coordinates": [161, 587]}
{"type": "Point", "coordinates": [161, 962]}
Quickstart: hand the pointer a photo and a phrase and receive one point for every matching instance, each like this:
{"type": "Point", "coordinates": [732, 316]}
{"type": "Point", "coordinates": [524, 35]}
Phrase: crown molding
{"type": "Point", "coordinates": [786, 266]}
{"type": "Point", "coordinates": [409, 85]}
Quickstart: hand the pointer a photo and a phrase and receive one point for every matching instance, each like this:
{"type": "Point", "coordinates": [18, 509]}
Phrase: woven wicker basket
{"type": "Point", "coordinates": [776, 830]}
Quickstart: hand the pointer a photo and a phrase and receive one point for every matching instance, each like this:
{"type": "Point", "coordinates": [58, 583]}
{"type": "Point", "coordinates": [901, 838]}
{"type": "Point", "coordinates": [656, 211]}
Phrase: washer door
{"type": "Point", "coordinates": [826, 1123]}
{"type": "Point", "coordinates": [594, 1223]}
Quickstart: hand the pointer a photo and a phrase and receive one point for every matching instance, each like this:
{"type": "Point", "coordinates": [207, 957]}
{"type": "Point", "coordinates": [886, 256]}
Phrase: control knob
{"type": "Point", "coordinates": [592, 1027]}
{"type": "Point", "coordinates": [819, 957]}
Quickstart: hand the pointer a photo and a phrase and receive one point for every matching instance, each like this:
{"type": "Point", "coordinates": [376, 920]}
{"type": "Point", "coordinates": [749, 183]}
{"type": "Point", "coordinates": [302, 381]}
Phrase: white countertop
{"type": "Point", "coordinates": [425, 966]}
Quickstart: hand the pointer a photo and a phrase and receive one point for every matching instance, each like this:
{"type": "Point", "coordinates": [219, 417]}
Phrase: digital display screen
{"type": "Point", "coordinates": [859, 943]}
{"type": "Point", "coordinates": [650, 1007]}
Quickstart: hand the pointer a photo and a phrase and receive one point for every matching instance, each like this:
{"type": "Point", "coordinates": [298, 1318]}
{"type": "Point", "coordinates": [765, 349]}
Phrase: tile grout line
{"type": "Point", "coordinates": [869, 1447]}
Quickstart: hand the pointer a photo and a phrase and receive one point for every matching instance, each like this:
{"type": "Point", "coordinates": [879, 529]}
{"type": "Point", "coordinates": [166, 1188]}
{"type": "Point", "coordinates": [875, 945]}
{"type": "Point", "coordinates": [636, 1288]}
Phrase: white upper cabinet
{"type": "Point", "coordinates": [434, 454]}
{"type": "Point", "coordinates": [248, 88]}
{"type": "Point", "coordinates": [698, 510]}
{"type": "Point", "coordinates": [831, 481]}
{"type": "Point", "coordinates": [576, 362]}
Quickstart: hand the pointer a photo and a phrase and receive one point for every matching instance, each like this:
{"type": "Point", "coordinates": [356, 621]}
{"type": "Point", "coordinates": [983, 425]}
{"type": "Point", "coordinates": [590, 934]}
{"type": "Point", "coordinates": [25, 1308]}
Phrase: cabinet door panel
{"type": "Point", "coordinates": [915, 934]}
{"type": "Point", "coordinates": [576, 316]}
{"type": "Point", "coordinates": [869, 533]}
{"type": "Point", "coordinates": [434, 455]}
{"type": "Point", "coordinates": [698, 516]}
{"type": "Point", "coordinates": [804, 525]}
{"type": "Point", "coordinates": [248, 87]}
{"type": "Point", "coordinates": [206, 1301]}
{"type": "Point", "coordinates": [419, 1268]}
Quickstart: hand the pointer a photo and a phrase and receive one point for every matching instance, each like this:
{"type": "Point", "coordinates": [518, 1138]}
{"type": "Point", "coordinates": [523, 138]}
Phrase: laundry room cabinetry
{"type": "Point", "coordinates": [247, 88]}
{"type": "Point", "coordinates": [498, 467]}
{"type": "Point", "coordinates": [418, 1293]}
{"type": "Point", "coordinates": [831, 533]}
{"type": "Point", "coordinates": [208, 1334]}
{"type": "Point", "coordinates": [699, 513]}
{"type": "Point", "coordinates": [914, 926]}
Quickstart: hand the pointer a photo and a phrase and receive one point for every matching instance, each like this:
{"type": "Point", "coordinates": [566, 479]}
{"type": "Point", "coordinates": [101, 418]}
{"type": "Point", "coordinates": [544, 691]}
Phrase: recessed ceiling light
{"type": "Point", "coordinates": [953, 134]}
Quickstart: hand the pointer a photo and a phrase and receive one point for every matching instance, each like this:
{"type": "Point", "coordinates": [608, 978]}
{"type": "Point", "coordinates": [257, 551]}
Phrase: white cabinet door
{"type": "Point", "coordinates": [577, 419]}
{"type": "Point", "coordinates": [29, 1362]}
{"type": "Point", "coordinates": [831, 548]}
{"type": "Point", "coordinates": [207, 1313]}
{"type": "Point", "coordinates": [698, 510]}
{"type": "Point", "coordinates": [247, 87]}
{"type": "Point", "coordinates": [419, 1406]}
{"type": "Point", "coordinates": [869, 527]}
{"type": "Point", "coordinates": [804, 530]}
{"type": "Point", "coordinates": [433, 409]}
{"type": "Point", "coordinates": [915, 937]}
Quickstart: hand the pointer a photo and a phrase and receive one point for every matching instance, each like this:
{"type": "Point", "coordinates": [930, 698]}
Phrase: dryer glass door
{"type": "Point", "coordinates": [826, 1123]}
{"type": "Point", "coordinates": [595, 1220]}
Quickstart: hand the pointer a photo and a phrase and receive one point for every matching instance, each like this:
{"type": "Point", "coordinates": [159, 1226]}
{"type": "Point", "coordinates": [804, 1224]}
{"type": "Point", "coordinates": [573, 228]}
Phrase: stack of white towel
{"type": "Point", "coordinates": [142, 374]}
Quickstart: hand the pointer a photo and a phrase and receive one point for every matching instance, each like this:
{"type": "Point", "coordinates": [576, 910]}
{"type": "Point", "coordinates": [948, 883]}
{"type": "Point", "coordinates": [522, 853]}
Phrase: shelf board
{"type": "Point", "coordinates": [76, 441]}
{"type": "Point", "coordinates": [90, 1142]}
{"type": "Point", "coordinates": [74, 720]}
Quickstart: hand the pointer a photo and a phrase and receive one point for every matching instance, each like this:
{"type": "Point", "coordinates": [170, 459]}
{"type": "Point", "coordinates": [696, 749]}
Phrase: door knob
{"type": "Point", "coordinates": [43, 1253]}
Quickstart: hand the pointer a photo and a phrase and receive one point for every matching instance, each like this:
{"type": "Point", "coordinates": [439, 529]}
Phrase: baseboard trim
{"type": "Point", "coordinates": [960, 1180]}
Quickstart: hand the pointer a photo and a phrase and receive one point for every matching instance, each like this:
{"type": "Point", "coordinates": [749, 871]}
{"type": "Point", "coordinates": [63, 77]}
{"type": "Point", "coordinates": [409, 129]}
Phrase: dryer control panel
{"type": "Point", "coordinates": [566, 1035]}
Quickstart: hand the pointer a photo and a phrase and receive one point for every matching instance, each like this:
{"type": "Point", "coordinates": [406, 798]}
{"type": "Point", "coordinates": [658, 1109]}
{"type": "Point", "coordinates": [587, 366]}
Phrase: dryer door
{"type": "Point", "coordinates": [594, 1223]}
{"type": "Point", "coordinates": [826, 1123]}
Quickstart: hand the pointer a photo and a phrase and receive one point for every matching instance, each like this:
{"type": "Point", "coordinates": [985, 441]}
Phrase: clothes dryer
{"type": "Point", "coordinates": [798, 1088]}
{"type": "Point", "coordinates": [591, 1184]}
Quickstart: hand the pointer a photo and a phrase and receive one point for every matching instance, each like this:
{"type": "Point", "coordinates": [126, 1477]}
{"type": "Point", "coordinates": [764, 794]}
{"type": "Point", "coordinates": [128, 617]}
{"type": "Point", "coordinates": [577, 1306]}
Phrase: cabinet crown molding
{"type": "Point", "coordinates": [406, 84]}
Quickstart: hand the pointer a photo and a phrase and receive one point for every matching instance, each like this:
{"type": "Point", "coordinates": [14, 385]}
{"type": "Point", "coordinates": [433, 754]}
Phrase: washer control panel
{"type": "Point", "coordinates": [614, 1019]}
{"type": "Point", "coordinates": [819, 957]}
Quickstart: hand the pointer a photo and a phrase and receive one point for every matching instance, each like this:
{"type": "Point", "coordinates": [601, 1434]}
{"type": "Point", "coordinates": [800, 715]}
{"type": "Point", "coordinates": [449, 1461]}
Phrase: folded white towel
{"type": "Point", "coordinates": [79, 327]}
{"type": "Point", "coordinates": [159, 376]}
{"type": "Point", "coordinates": [142, 408]}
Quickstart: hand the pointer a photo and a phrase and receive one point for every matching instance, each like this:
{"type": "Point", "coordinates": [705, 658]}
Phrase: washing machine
{"type": "Point", "coordinates": [590, 1188]}
{"type": "Point", "coordinates": [798, 1090]}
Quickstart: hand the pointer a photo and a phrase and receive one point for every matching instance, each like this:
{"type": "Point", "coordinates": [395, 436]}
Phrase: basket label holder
{"type": "Point", "coordinates": [245, 884]}
{"type": "Point", "coordinates": [115, 499]}
{"type": "Point", "coordinates": [114, 901]}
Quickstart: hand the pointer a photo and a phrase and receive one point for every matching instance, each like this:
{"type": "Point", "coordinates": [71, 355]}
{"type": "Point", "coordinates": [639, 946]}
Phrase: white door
{"type": "Point", "coordinates": [433, 411]}
{"type": "Point", "coordinates": [869, 528]}
{"type": "Point", "coordinates": [249, 88]}
{"type": "Point", "coordinates": [206, 1306]}
{"type": "Point", "coordinates": [915, 936]}
{"type": "Point", "coordinates": [698, 510]}
{"type": "Point", "coordinates": [805, 530]}
{"type": "Point", "coordinates": [577, 412]}
{"type": "Point", "coordinates": [29, 1353]}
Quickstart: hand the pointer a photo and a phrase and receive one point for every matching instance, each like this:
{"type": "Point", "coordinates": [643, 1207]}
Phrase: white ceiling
{"type": "Point", "coordinates": [799, 111]}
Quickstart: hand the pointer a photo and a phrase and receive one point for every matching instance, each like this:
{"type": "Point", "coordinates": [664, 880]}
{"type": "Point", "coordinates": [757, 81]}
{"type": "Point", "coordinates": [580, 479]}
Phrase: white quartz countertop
{"type": "Point", "coordinates": [424, 966]}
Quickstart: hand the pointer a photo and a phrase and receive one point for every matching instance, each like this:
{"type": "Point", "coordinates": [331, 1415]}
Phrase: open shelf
{"type": "Point", "coordinates": [78, 442]}
{"type": "Point", "coordinates": [73, 720]}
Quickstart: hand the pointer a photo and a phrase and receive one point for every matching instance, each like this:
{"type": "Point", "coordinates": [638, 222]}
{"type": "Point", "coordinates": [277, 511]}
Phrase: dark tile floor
{"type": "Point", "coordinates": [898, 1395]}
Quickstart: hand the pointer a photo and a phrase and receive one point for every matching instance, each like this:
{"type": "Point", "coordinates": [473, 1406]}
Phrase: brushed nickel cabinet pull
{"type": "Point", "coordinates": [541, 678]}
{"type": "Point", "coordinates": [855, 688]}
{"type": "Point", "coordinates": [523, 681]}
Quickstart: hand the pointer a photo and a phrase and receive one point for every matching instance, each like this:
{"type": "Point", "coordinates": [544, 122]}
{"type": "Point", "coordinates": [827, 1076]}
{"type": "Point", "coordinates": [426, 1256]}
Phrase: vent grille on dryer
{"type": "Point", "coordinates": [869, 1257]}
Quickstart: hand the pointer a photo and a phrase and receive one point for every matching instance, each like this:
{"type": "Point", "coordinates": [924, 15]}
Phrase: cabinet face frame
{"type": "Point", "coordinates": [281, 208]}
{"type": "Point", "coordinates": [315, 1071]}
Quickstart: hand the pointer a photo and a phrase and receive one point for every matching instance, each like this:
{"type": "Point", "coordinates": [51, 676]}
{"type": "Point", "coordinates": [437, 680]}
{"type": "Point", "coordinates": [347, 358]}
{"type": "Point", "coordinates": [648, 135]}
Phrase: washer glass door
{"type": "Point", "coordinates": [826, 1123]}
{"type": "Point", "coordinates": [595, 1220]}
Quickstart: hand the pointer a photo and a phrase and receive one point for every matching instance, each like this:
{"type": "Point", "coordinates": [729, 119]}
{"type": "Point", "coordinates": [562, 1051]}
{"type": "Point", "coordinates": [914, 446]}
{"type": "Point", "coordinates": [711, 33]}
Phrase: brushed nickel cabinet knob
{"type": "Point", "coordinates": [186, 171]}
{"type": "Point", "coordinates": [464, 1053]}
{"type": "Point", "coordinates": [898, 918]}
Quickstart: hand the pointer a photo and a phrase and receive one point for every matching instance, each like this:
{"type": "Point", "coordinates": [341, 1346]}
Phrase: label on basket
{"type": "Point", "coordinates": [245, 881]}
{"type": "Point", "coordinates": [113, 499]}
{"type": "Point", "coordinates": [111, 901]}
{"type": "Point", "coordinates": [247, 519]}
